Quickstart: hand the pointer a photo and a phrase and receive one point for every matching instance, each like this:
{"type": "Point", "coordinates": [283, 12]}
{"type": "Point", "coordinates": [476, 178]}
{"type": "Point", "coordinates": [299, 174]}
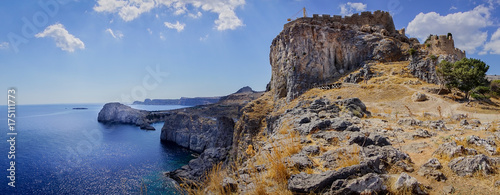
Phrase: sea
{"type": "Point", "coordinates": [61, 150]}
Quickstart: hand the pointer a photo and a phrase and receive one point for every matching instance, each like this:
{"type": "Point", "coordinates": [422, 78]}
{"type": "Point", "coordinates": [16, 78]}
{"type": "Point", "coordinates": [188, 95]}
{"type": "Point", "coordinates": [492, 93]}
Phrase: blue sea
{"type": "Point", "coordinates": [59, 150]}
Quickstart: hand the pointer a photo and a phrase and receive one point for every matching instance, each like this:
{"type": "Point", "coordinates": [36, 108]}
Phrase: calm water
{"type": "Point", "coordinates": [64, 151]}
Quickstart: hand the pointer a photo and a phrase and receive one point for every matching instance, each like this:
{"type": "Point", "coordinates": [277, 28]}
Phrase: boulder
{"type": "Point", "coordinates": [430, 170]}
{"type": "Point", "coordinates": [489, 146]}
{"type": "Point", "coordinates": [370, 183]}
{"type": "Point", "coordinates": [373, 139]}
{"type": "Point", "coordinates": [311, 150]}
{"type": "Point", "coordinates": [467, 166]}
{"type": "Point", "coordinates": [418, 97]}
{"type": "Point", "coordinates": [300, 161]}
{"type": "Point", "coordinates": [450, 149]}
{"type": "Point", "coordinates": [420, 133]}
{"type": "Point", "coordinates": [407, 183]}
{"type": "Point", "coordinates": [307, 183]}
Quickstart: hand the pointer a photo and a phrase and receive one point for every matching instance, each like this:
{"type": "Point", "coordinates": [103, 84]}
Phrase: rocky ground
{"type": "Point", "coordinates": [388, 135]}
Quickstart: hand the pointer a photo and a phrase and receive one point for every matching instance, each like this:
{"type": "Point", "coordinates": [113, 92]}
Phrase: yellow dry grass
{"type": "Point", "coordinates": [348, 158]}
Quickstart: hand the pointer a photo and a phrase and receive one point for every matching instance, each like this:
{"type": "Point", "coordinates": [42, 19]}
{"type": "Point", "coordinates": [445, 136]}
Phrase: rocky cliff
{"type": "Point", "coordinates": [198, 133]}
{"type": "Point", "coordinates": [321, 49]}
{"type": "Point", "coordinates": [427, 56]}
{"type": "Point", "coordinates": [116, 113]}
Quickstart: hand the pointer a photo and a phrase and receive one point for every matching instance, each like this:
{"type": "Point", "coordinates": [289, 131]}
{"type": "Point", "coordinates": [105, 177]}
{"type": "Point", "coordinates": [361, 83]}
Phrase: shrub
{"type": "Point", "coordinates": [411, 51]}
{"type": "Point", "coordinates": [449, 35]}
{"type": "Point", "coordinates": [495, 87]}
{"type": "Point", "coordinates": [428, 45]}
{"type": "Point", "coordinates": [433, 57]}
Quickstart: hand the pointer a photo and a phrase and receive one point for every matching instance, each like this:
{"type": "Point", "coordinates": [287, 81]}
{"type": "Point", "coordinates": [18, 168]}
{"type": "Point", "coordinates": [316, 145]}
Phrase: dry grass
{"type": "Point", "coordinates": [212, 183]}
{"type": "Point", "coordinates": [346, 159]}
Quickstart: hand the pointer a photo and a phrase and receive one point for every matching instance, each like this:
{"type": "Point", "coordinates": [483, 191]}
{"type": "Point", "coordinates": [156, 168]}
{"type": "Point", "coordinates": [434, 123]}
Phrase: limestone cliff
{"type": "Point", "coordinates": [197, 132]}
{"type": "Point", "coordinates": [320, 50]}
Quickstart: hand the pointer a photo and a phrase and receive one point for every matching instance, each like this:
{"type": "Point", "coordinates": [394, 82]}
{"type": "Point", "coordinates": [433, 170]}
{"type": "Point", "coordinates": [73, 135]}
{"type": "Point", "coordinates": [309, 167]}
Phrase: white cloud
{"type": "Point", "coordinates": [162, 37]}
{"type": "Point", "coordinates": [130, 9]}
{"type": "Point", "coordinates": [204, 38]}
{"type": "Point", "coordinates": [493, 46]}
{"type": "Point", "coordinates": [197, 15]}
{"type": "Point", "coordinates": [349, 8]}
{"type": "Point", "coordinates": [4, 45]}
{"type": "Point", "coordinates": [115, 34]}
{"type": "Point", "coordinates": [466, 27]}
{"type": "Point", "coordinates": [453, 8]}
{"type": "Point", "coordinates": [64, 40]}
{"type": "Point", "coordinates": [150, 31]}
{"type": "Point", "coordinates": [177, 26]}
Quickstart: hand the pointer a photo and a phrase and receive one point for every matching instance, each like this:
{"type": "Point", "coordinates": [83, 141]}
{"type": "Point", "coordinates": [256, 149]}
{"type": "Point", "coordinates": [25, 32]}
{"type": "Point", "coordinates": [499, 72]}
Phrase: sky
{"type": "Point", "coordinates": [86, 51]}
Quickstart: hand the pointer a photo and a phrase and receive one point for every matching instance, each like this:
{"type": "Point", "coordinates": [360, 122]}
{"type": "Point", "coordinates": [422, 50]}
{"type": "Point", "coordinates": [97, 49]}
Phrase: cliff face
{"type": "Point", "coordinates": [119, 113]}
{"type": "Point", "coordinates": [198, 133]}
{"type": "Point", "coordinates": [320, 50]}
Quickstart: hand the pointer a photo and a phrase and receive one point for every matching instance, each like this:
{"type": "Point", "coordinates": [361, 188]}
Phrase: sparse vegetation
{"type": "Point", "coordinates": [412, 51]}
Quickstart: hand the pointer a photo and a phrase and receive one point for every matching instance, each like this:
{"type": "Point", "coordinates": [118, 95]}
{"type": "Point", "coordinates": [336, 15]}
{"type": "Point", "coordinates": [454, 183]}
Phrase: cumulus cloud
{"type": "Point", "coordinates": [64, 40]}
{"type": "Point", "coordinates": [493, 46]}
{"type": "Point", "coordinates": [177, 26]}
{"type": "Point", "coordinates": [130, 9]}
{"type": "Point", "coordinates": [349, 8]}
{"type": "Point", "coordinates": [466, 27]}
{"type": "Point", "coordinates": [4, 45]}
{"type": "Point", "coordinates": [116, 34]}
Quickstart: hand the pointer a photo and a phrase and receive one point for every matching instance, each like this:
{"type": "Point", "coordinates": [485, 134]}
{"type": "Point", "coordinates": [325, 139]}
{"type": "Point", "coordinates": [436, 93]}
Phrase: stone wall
{"type": "Point", "coordinates": [443, 45]}
{"type": "Point", "coordinates": [377, 18]}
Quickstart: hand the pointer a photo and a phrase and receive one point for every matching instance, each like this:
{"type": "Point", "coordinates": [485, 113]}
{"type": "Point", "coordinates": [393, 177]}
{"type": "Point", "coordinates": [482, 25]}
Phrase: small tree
{"type": "Point", "coordinates": [466, 75]}
{"type": "Point", "coordinates": [445, 75]}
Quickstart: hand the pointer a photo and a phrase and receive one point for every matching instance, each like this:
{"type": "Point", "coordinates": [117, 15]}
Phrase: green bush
{"type": "Point", "coordinates": [480, 92]}
{"type": "Point", "coordinates": [449, 35]}
{"type": "Point", "coordinates": [495, 87]}
{"type": "Point", "coordinates": [428, 45]}
{"type": "Point", "coordinates": [412, 51]}
{"type": "Point", "coordinates": [433, 57]}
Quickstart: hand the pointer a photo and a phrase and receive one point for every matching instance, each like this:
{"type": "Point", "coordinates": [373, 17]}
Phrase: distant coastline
{"type": "Point", "coordinates": [184, 101]}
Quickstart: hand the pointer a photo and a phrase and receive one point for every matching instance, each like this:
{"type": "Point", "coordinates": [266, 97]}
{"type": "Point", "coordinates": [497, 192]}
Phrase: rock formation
{"type": "Point", "coordinates": [122, 114]}
{"type": "Point", "coordinates": [198, 133]}
{"type": "Point", "coordinates": [428, 55]}
{"type": "Point", "coordinates": [321, 49]}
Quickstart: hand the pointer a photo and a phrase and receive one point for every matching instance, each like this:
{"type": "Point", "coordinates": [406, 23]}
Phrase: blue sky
{"type": "Point", "coordinates": [67, 51]}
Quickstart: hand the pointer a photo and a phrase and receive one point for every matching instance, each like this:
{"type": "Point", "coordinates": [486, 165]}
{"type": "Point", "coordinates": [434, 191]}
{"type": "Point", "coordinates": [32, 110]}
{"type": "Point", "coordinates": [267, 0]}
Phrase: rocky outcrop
{"type": "Point", "coordinates": [198, 133]}
{"type": "Point", "coordinates": [467, 166]}
{"type": "Point", "coordinates": [428, 55]}
{"type": "Point", "coordinates": [116, 113]}
{"type": "Point", "coordinates": [423, 66]}
{"type": "Point", "coordinates": [196, 168]}
{"type": "Point", "coordinates": [320, 50]}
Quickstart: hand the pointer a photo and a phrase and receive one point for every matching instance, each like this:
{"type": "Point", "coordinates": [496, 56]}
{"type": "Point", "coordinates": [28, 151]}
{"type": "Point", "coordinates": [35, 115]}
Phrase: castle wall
{"type": "Point", "coordinates": [379, 18]}
{"type": "Point", "coordinates": [443, 44]}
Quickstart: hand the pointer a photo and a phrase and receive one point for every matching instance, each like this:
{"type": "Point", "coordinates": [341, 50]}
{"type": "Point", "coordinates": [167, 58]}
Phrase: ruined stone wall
{"type": "Point", "coordinates": [444, 45]}
{"type": "Point", "coordinates": [377, 18]}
